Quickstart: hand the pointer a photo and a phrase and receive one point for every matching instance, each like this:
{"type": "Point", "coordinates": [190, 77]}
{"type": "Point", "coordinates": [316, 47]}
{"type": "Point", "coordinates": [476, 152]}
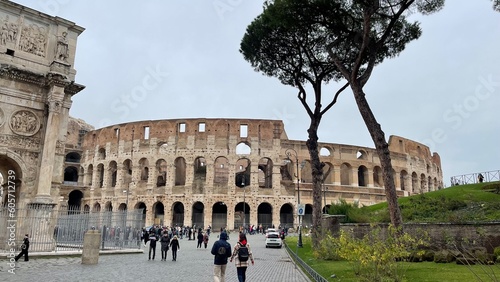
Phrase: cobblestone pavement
{"type": "Point", "coordinates": [192, 263]}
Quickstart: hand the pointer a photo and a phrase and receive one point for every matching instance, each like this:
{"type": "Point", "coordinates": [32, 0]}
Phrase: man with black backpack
{"type": "Point", "coordinates": [242, 254]}
{"type": "Point", "coordinates": [221, 251]}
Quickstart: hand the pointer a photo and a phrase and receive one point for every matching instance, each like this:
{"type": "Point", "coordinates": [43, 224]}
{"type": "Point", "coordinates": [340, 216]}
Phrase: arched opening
{"type": "Point", "coordinates": [161, 168]}
{"type": "Point", "coordinates": [200, 175]}
{"type": "Point", "coordinates": [403, 179]}
{"type": "Point", "coordinates": [101, 154]}
{"type": "Point", "coordinates": [96, 207]}
{"type": "Point", "coordinates": [286, 216]}
{"type": "Point", "coordinates": [414, 183]}
{"type": "Point", "coordinates": [74, 201]}
{"type": "Point", "coordinates": [265, 215]}
{"type": "Point", "coordinates": [307, 218]}
{"type": "Point", "coordinates": [70, 175]}
{"type": "Point", "coordinates": [362, 175]}
{"type": "Point", "coordinates": [100, 171]}
{"type": "Point", "coordinates": [328, 175]}
{"type": "Point", "coordinates": [159, 213]}
{"type": "Point", "coordinates": [142, 206]}
{"type": "Point", "coordinates": [241, 215]}
{"type": "Point", "coordinates": [178, 214]}
{"type": "Point", "coordinates": [144, 167]}
{"type": "Point", "coordinates": [265, 173]}
{"type": "Point", "coordinates": [221, 170]}
{"type": "Point", "coordinates": [197, 218]}
{"type": "Point", "coordinates": [73, 157]}
{"type": "Point", "coordinates": [377, 177]}
{"type": "Point", "coordinates": [113, 171]}
{"type": "Point", "coordinates": [219, 216]}
{"type": "Point", "coordinates": [180, 171]}
{"type": "Point", "coordinates": [243, 149]}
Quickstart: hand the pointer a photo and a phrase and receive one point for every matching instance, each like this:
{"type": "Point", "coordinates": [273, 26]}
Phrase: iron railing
{"type": "Point", "coordinates": [53, 230]}
{"type": "Point", "coordinates": [488, 176]}
{"type": "Point", "coordinates": [311, 272]}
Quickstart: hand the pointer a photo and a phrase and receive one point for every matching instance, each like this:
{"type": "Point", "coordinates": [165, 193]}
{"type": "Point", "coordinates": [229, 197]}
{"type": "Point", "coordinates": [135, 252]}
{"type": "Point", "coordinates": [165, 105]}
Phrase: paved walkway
{"type": "Point", "coordinates": [192, 263]}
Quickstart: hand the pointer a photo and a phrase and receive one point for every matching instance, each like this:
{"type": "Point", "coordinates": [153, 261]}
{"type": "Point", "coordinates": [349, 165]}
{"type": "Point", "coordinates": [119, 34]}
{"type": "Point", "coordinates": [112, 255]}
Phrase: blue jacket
{"type": "Point", "coordinates": [221, 250]}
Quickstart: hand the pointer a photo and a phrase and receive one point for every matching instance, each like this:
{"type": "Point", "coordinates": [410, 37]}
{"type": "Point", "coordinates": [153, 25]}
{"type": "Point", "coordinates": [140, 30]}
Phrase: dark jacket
{"type": "Point", "coordinates": [174, 244]}
{"type": "Point", "coordinates": [152, 239]}
{"type": "Point", "coordinates": [26, 242]}
{"type": "Point", "coordinates": [165, 242]}
{"type": "Point", "coordinates": [221, 250]}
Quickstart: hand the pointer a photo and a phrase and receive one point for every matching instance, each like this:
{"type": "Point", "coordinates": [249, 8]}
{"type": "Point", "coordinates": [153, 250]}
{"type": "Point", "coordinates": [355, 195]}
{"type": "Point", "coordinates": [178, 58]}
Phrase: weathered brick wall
{"type": "Point", "coordinates": [442, 234]}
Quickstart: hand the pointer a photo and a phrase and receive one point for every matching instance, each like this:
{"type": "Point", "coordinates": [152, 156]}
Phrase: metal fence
{"type": "Point", "coordinates": [488, 176]}
{"type": "Point", "coordinates": [311, 272]}
{"type": "Point", "coordinates": [64, 229]}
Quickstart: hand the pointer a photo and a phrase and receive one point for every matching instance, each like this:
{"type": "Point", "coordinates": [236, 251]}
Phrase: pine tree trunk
{"type": "Point", "coordinates": [384, 154]}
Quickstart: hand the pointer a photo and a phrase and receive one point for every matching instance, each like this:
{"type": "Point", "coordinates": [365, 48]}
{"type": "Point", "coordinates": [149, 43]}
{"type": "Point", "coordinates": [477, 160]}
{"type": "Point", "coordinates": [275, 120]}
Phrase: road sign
{"type": "Point", "coordinates": [301, 209]}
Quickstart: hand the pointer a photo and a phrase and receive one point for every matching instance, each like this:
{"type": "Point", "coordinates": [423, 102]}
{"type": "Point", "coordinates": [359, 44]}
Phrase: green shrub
{"type": "Point", "coordinates": [496, 253]}
{"type": "Point", "coordinates": [443, 256]}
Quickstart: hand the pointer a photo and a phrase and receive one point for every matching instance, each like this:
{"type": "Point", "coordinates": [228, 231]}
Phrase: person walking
{"type": "Point", "coordinates": [200, 240]}
{"type": "Point", "coordinates": [205, 239]}
{"type": "Point", "coordinates": [152, 243]}
{"type": "Point", "coordinates": [165, 242]}
{"type": "Point", "coordinates": [24, 249]}
{"type": "Point", "coordinates": [221, 251]}
{"type": "Point", "coordinates": [174, 245]}
{"type": "Point", "coordinates": [241, 255]}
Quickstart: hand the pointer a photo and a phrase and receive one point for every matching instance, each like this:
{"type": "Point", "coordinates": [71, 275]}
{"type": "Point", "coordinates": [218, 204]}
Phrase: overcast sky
{"type": "Point", "coordinates": [142, 60]}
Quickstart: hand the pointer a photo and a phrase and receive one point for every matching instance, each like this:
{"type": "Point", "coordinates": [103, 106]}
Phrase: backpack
{"type": "Point", "coordinates": [243, 253]}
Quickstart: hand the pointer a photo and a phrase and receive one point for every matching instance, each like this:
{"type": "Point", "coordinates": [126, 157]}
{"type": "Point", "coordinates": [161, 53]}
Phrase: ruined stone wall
{"type": "Point", "coordinates": [163, 165]}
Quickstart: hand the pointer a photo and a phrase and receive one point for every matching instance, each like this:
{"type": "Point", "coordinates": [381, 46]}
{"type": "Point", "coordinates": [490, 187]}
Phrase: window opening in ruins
{"type": "Point", "coordinates": [286, 170]}
{"type": "Point", "coordinates": [161, 168]}
{"type": "Point", "coordinates": [362, 175]}
{"type": "Point", "coordinates": [10, 52]}
{"type": "Point", "coordinates": [182, 127]}
{"type": "Point", "coordinates": [180, 171]}
{"type": "Point", "coordinates": [361, 155]}
{"type": "Point", "coordinates": [144, 166]}
{"type": "Point", "coordinates": [100, 171]}
{"type": "Point", "coordinates": [101, 154]}
{"type": "Point", "coordinates": [243, 149]}
{"type": "Point", "coordinates": [127, 172]}
{"type": "Point", "coordinates": [90, 174]}
{"type": "Point", "coordinates": [423, 184]}
{"type": "Point", "coordinates": [345, 174]}
{"type": "Point", "coordinates": [377, 176]}
{"type": "Point", "coordinates": [73, 157]}
{"type": "Point", "coordinates": [286, 215]}
{"type": "Point", "coordinates": [201, 127]}
{"type": "Point", "coordinates": [403, 178]}
{"type": "Point", "coordinates": [200, 175]}
{"type": "Point", "coordinates": [242, 176]}
{"type": "Point", "coordinates": [221, 171]}
{"type": "Point", "coordinates": [113, 170]}
{"type": "Point", "coordinates": [265, 173]}
{"type": "Point", "coordinates": [146, 132]}
{"type": "Point", "coordinates": [81, 133]}
{"type": "Point", "coordinates": [265, 215]}
{"type": "Point", "coordinates": [243, 130]}
{"type": "Point", "coordinates": [117, 133]}
{"type": "Point", "coordinates": [324, 152]}
{"type": "Point", "coordinates": [414, 182]}
{"type": "Point", "coordinates": [70, 175]}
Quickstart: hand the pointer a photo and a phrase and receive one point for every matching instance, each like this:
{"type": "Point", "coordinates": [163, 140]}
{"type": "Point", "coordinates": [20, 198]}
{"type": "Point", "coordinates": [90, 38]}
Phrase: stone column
{"type": "Point", "coordinates": [52, 128]}
{"type": "Point", "coordinates": [91, 243]}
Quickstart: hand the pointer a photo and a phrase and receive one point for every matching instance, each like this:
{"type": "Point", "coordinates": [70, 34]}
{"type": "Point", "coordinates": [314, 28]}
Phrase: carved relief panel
{"type": "Point", "coordinates": [2, 117]}
{"type": "Point", "coordinates": [24, 122]}
{"type": "Point", "coordinates": [23, 34]}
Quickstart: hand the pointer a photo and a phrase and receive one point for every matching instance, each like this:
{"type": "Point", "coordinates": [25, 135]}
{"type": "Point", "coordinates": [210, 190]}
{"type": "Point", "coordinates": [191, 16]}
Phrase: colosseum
{"type": "Point", "coordinates": [226, 172]}
{"type": "Point", "coordinates": [218, 172]}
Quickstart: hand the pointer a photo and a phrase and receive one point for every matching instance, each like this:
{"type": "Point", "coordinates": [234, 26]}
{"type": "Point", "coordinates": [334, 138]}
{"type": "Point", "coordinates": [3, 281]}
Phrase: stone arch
{"type": "Point", "coordinates": [241, 214]}
{"type": "Point", "coordinates": [141, 206]}
{"type": "Point", "coordinates": [177, 214]}
{"type": "Point", "coordinates": [122, 207]}
{"type": "Point", "coordinates": [108, 206]}
{"type": "Point", "coordinates": [198, 215]}
{"type": "Point", "coordinates": [101, 154]}
{"type": "Point", "coordinates": [90, 174]}
{"type": "Point", "coordinates": [328, 175]}
{"type": "Point", "coordinates": [362, 175]}
{"type": "Point", "coordinates": [326, 151]}
{"type": "Point", "coordinates": [423, 183]}
{"type": "Point", "coordinates": [100, 175]}
{"type": "Point", "coordinates": [73, 157]}
{"type": "Point", "coordinates": [113, 170]}
{"type": "Point", "coordinates": [307, 219]}
{"type": "Point", "coordinates": [242, 172]}
{"type": "Point", "coordinates": [96, 207]}
{"type": "Point", "coordinates": [286, 215]}
{"type": "Point", "coordinates": [404, 180]}
{"type": "Point", "coordinates": [414, 182]}
{"type": "Point", "coordinates": [86, 208]}
{"type": "Point", "coordinates": [158, 213]}
{"type": "Point", "coordinates": [161, 169]}
{"type": "Point", "coordinates": [265, 215]}
{"type": "Point", "coordinates": [430, 187]}
{"type": "Point", "coordinates": [219, 216]}
{"type": "Point", "coordinates": [127, 167]}
{"type": "Point", "coordinates": [70, 174]}
{"type": "Point", "coordinates": [221, 170]}
{"type": "Point", "coordinates": [362, 155]}
{"type": "Point", "coordinates": [144, 167]}
{"type": "Point", "coordinates": [265, 173]}
{"type": "Point", "coordinates": [345, 174]}
{"type": "Point", "coordinates": [378, 180]}
{"type": "Point", "coordinates": [243, 149]}
{"type": "Point", "coordinates": [199, 175]}
{"type": "Point", "coordinates": [180, 171]}
{"type": "Point", "coordinates": [75, 200]}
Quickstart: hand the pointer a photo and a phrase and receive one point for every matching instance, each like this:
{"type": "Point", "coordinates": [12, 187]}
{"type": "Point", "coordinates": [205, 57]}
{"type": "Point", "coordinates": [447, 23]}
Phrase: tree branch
{"type": "Point", "coordinates": [334, 98]}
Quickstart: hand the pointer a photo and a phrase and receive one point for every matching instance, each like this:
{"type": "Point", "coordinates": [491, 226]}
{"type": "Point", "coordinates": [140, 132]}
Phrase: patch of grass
{"type": "Point", "coordinates": [422, 271]}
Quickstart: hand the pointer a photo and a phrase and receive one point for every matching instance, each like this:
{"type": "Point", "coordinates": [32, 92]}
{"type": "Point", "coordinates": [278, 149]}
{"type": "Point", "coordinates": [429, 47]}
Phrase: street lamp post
{"type": "Point", "coordinates": [289, 154]}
